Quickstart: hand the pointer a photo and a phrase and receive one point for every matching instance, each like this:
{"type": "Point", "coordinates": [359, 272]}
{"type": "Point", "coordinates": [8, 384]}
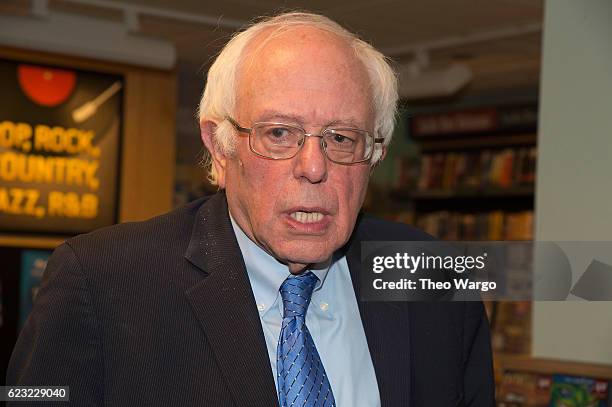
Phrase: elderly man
{"type": "Point", "coordinates": [251, 297]}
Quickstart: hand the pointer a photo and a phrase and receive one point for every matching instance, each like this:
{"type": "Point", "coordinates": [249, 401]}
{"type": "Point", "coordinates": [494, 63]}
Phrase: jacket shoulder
{"type": "Point", "coordinates": [157, 234]}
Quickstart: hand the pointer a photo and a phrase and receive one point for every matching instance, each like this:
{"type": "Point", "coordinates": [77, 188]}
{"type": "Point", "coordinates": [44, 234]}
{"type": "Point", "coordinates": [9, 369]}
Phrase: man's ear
{"type": "Point", "coordinates": [383, 153]}
{"type": "Point", "coordinates": [208, 130]}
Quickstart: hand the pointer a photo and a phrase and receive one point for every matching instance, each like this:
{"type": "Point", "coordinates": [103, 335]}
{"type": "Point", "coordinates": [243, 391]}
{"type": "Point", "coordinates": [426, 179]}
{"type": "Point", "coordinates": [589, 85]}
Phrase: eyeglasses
{"type": "Point", "coordinates": [279, 141]}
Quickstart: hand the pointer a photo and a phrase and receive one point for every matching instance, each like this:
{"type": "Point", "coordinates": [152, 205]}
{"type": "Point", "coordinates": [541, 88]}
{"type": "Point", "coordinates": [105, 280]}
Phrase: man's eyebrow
{"type": "Point", "coordinates": [274, 116]}
{"type": "Point", "coordinates": [350, 122]}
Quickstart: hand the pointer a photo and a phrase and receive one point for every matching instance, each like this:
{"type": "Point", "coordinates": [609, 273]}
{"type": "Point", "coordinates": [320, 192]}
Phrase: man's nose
{"type": "Point", "coordinates": [310, 161]}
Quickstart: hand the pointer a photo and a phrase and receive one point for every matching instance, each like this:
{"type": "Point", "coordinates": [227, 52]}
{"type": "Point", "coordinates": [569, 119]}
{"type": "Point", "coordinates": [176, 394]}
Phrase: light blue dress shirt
{"type": "Point", "coordinates": [332, 318]}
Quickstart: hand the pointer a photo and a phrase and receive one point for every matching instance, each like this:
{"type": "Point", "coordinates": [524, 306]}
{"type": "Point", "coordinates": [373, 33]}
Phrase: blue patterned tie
{"type": "Point", "coordinates": [301, 377]}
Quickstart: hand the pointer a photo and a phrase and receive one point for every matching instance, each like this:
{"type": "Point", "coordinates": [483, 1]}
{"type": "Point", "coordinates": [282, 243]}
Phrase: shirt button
{"type": "Point", "coordinates": [261, 307]}
{"type": "Point", "coordinates": [324, 306]}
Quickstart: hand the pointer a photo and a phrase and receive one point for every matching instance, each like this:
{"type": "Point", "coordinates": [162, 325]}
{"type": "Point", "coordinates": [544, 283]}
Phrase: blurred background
{"type": "Point", "coordinates": [503, 134]}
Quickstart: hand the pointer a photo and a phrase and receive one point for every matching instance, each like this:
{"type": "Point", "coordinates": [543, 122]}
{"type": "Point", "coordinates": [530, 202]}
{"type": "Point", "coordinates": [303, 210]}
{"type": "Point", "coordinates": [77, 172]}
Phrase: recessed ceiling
{"type": "Point", "coordinates": [394, 26]}
{"type": "Point", "coordinates": [388, 24]}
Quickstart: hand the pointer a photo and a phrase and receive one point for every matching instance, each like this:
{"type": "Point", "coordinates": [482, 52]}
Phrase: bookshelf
{"type": "Point", "coordinates": [478, 141]}
{"type": "Point", "coordinates": [473, 178]}
{"type": "Point", "coordinates": [476, 182]}
{"type": "Point", "coordinates": [470, 175]}
{"type": "Point", "coordinates": [474, 193]}
{"type": "Point", "coordinates": [476, 173]}
{"type": "Point", "coordinates": [534, 382]}
{"type": "Point", "coordinates": [509, 362]}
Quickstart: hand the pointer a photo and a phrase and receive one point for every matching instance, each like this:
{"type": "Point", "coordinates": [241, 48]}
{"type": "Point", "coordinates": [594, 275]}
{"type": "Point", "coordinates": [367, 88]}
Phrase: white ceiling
{"type": "Point", "coordinates": [390, 25]}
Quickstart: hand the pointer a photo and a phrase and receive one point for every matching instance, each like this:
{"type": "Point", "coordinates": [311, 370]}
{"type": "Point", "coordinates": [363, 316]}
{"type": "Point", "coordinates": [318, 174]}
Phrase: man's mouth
{"type": "Point", "coordinates": [307, 217]}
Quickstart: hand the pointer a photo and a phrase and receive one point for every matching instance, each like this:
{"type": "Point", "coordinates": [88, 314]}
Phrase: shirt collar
{"type": "Point", "coordinates": [266, 274]}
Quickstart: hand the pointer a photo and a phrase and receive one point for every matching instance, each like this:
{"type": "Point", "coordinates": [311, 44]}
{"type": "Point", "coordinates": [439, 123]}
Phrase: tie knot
{"type": "Point", "coordinates": [296, 292]}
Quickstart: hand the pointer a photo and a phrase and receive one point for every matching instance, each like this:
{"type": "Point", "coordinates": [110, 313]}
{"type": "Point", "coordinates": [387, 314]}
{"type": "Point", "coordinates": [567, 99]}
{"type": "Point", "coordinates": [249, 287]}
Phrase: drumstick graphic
{"type": "Point", "coordinates": [89, 109]}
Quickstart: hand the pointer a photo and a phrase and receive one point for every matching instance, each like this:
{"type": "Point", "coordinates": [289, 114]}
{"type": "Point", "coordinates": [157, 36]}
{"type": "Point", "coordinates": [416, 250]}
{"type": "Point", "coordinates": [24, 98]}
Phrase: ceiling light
{"type": "Point", "coordinates": [68, 34]}
{"type": "Point", "coordinates": [426, 83]}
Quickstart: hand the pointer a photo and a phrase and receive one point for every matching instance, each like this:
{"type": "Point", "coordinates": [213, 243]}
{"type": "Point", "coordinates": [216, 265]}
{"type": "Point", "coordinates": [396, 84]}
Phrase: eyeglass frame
{"type": "Point", "coordinates": [249, 131]}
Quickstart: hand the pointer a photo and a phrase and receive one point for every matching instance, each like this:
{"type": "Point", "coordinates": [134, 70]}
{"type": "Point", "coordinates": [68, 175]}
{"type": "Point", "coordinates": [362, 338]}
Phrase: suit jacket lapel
{"type": "Point", "coordinates": [225, 307]}
{"type": "Point", "coordinates": [386, 326]}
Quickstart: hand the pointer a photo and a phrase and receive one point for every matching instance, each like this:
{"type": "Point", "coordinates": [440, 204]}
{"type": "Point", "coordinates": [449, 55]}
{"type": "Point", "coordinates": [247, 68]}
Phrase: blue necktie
{"type": "Point", "coordinates": [301, 377]}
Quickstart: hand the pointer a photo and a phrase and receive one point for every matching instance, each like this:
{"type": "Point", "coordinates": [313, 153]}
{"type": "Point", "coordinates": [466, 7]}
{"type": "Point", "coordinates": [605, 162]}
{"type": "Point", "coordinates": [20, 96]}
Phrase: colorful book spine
{"type": "Point", "coordinates": [486, 169]}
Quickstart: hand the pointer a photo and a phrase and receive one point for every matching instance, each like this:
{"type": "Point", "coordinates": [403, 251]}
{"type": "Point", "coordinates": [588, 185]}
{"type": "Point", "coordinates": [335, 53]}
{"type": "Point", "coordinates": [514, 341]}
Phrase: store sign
{"type": "Point", "coordinates": [59, 148]}
{"type": "Point", "coordinates": [473, 121]}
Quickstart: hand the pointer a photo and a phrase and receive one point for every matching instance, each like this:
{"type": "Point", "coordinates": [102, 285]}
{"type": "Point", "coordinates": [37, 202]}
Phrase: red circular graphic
{"type": "Point", "coordinates": [46, 86]}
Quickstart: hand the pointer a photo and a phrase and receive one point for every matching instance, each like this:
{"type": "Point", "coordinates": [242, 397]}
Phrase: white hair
{"type": "Point", "coordinates": [219, 96]}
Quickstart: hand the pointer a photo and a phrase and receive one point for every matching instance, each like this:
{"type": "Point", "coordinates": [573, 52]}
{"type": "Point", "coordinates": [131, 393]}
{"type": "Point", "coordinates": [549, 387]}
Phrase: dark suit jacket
{"type": "Point", "coordinates": [161, 313]}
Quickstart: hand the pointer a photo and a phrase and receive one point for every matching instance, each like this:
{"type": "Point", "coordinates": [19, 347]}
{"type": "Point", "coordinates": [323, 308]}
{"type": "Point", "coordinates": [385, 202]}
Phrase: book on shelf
{"type": "Point", "coordinates": [579, 391]}
{"type": "Point", "coordinates": [495, 225]}
{"type": "Point", "coordinates": [524, 389]}
{"type": "Point", "coordinates": [528, 389]}
{"type": "Point", "coordinates": [511, 328]}
{"type": "Point", "coordinates": [510, 167]}
{"type": "Point", "coordinates": [406, 172]}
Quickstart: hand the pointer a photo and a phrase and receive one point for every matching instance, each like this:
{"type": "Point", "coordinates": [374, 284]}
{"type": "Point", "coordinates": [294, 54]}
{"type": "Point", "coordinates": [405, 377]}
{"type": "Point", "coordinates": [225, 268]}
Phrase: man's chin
{"type": "Point", "coordinates": [307, 260]}
{"type": "Point", "coordinates": [303, 256]}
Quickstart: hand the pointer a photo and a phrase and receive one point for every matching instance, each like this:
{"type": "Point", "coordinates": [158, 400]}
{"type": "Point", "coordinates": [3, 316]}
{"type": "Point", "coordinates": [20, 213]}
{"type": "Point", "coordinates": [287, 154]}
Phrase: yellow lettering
{"type": "Point", "coordinates": [15, 135]}
{"type": "Point", "coordinates": [74, 174]}
{"type": "Point", "coordinates": [16, 198]}
{"type": "Point", "coordinates": [60, 165]}
{"type": "Point", "coordinates": [55, 203]}
{"type": "Point", "coordinates": [30, 204]}
{"type": "Point", "coordinates": [55, 141]}
{"type": "Point", "coordinates": [89, 206]}
{"type": "Point", "coordinates": [41, 135]}
{"type": "Point", "coordinates": [43, 168]}
{"type": "Point", "coordinates": [48, 170]}
{"type": "Point", "coordinates": [90, 171]}
{"type": "Point", "coordinates": [7, 130]}
{"type": "Point", "coordinates": [8, 166]}
{"type": "Point", "coordinates": [72, 205]}
{"type": "Point", "coordinates": [4, 200]}
{"type": "Point", "coordinates": [17, 201]}
{"type": "Point", "coordinates": [71, 141]}
{"type": "Point", "coordinates": [86, 141]}
{"type": "Point", "coordinates": [61, 140]}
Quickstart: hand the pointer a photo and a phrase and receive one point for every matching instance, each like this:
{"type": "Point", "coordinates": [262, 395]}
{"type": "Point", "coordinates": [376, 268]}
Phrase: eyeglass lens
{"type": "Point", "coordinates": [284, 141]}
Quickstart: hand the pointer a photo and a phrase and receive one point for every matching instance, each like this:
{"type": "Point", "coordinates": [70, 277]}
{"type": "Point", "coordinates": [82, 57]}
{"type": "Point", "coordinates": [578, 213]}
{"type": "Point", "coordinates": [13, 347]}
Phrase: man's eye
{"type": "Point", "coordinates": [344, 140]}
{"type": "Point", "coordinates": [340, 139]}
{"type": "Point", "coordinates": [279, 132]}
{"type": "Point", "coordinates": [278, 136]}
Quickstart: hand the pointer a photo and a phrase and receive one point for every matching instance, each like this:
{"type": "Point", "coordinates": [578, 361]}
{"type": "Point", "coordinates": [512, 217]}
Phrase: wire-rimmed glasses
{"type": "Point", "coordinates": [280, 141]}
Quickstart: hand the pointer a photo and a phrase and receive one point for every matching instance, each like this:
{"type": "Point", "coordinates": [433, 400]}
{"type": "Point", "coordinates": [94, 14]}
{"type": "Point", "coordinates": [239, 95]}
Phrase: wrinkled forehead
{"type": "Point", "coordinates": [304, 72]}
{"type": "Point", "coordinates": [277, 47]}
